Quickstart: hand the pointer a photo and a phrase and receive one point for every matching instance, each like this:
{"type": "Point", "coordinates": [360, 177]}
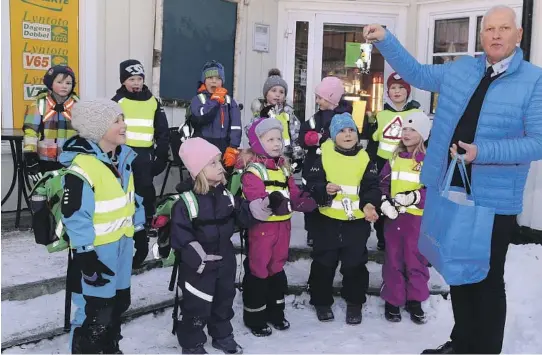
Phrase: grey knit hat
{"type": "Point", "coordinates": [274, 79]}
{"type": "Point", "coordinates": [92, 118]}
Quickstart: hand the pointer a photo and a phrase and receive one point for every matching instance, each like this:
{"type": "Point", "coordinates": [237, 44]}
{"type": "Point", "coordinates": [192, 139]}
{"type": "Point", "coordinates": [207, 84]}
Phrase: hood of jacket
{"type": "Point", "coordinates": [78, 145]}
{"type": "Point", "coordinates": [389, 105]}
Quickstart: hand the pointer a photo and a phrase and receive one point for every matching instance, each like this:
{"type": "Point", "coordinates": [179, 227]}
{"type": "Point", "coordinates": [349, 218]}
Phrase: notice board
{"type": "Point", "coordinates": [195, 32]}
{"type": "Point", "coordinates": [43, 34]}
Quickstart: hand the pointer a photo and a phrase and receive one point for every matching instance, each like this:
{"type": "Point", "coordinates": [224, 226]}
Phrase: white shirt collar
{"type": "Point", "coordinates": [501, 66]}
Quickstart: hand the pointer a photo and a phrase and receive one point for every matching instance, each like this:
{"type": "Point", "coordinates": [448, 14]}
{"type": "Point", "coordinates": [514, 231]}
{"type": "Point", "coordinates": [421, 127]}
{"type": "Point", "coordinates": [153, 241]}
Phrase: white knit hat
{"type": "Point", "coordinates": [419, 122]}
{"type": "Point", "coordinates": [92, 118]}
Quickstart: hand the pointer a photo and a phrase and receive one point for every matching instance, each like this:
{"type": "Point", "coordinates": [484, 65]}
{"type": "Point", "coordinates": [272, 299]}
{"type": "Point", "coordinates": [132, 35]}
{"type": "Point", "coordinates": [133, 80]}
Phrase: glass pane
{"type": "Point", "coordinates": [300, 68]}
{"type": "Point", "coordinates": [478, 29]}
{"type": "Point", "coordinates": [451, 35]}
{"type": "Point", "coordinates": [340, 48]}
{"type": "Point", "coordinates": [434, 95]}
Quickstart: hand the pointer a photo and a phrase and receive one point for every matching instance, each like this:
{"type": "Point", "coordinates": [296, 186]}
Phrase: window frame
{"type": "Point", "coordinates": [429, 13]}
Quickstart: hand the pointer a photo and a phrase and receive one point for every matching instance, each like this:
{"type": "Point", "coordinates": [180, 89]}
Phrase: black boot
{"type": "Point", "coordinates": [255, 292]}
{"type": "Point", "coordinates": [392, 313]}
{"type": "Point", "coordinates": [85, 342]}
{"type": "Point", "coordinates": [228, 345]}
{"type": "Point", "coordinates": [416, 312]}
{"type": "Point", "coordinates": [111, 345]}
{"type": "Point", "coordinates": [278, 285]}
{"type": "Point", "coordinates": [324, 313]}
{"type": "Point", "coordinates": [199, 349]}
{"type": "Point", "coordinates": [446, 348]}
{"type": "Point", "coordinates": [353, 314]}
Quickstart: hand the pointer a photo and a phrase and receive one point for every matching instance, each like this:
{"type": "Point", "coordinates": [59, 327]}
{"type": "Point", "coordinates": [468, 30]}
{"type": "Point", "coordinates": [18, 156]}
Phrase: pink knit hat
{"type": "Point", "coordinates": [330, 89]}
{"type": "Point", "coordinates": [196, 153]}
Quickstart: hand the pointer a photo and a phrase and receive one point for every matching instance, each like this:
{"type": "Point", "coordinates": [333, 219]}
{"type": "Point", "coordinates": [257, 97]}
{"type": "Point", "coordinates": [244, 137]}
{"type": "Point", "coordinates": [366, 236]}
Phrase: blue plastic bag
{"type": "Point", "coordinates": [455, 234]}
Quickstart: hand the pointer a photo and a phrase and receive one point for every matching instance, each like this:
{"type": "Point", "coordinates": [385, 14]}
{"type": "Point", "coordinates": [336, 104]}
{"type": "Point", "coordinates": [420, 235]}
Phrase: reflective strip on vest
{"type": "Point", "coordinates": [405, 176]}
{"type": "Point", "coordinates": [284, 119]}
{"type": "Point", "coordinates": [280, 175]}
{"type": "Point", "coordinates": [338, 205]}
{"type": "Point", "coordinates": [141, 137]}
{"type": "Point", "coordinates": [138, 122]}
{"type": "Point", "coordinates": [114, 205]}
{"type": "Point", "coordinates": [387, 147]}
{"type": "Point", "coordinates": [347, 172]}
{"type": "Point", "coordinates": [349, 190]}
{"type": "Point", "coordinates": [286, 142]}
{"type": "Point", "coordinates": [139, 118]}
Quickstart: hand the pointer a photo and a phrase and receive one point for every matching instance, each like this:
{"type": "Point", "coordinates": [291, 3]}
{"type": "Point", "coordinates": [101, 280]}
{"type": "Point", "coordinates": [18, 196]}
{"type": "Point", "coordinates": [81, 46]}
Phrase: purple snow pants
{"type": "Point", "coordinates": [405, 274]}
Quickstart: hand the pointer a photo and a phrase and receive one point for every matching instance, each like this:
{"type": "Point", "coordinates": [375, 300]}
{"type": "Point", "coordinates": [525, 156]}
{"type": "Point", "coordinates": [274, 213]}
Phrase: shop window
{"type": "Point", "coordinates": [340, 49]}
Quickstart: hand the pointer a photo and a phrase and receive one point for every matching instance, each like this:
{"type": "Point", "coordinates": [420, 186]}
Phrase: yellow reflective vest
{"type": "Point", "coordinates": [114, 208]}
{"type": "Point", "coordinates": [388, 134]}
{"type": "Point", "coordinates": [347, 172]}
{"type": "Point", "coordinates": [139, 118]}
{"type": "Point", "coordinates": [274, 180]}
{"type": "Point", "coordinates": [284, 118]}
{"type": "Point", "coordinates": [405, 176]}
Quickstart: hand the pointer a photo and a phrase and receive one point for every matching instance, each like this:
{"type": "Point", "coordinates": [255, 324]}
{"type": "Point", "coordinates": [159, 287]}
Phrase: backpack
{"type": "Point", "coordinates": [46, 197]}
{"type": "Point", "coordinates": [162, 223]}
{"type": "Point", "coordinates": [187, 129]}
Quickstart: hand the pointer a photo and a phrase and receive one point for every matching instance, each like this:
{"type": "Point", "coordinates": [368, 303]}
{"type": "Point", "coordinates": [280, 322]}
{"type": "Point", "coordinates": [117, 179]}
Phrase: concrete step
{"type": "Point", "coordinates": [45, 313]}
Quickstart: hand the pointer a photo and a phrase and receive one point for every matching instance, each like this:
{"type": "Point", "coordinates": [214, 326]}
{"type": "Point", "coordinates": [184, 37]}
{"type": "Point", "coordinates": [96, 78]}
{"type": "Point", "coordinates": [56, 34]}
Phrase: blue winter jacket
{"type": "Point", "coordinates": [79, 225]}
{"type": "Point", "coordinates": [207, 121]}
{"type": "Point", "coordinates": [509, 132]}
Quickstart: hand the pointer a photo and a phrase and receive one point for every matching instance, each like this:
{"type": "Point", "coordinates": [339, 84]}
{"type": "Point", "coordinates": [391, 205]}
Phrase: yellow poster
{"type": "Point", "coordinates": [43, 33]}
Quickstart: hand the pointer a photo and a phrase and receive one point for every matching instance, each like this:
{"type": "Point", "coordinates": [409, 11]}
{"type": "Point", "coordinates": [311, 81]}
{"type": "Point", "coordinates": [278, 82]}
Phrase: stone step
{"type": "Point", "coordinates": [162, 306]}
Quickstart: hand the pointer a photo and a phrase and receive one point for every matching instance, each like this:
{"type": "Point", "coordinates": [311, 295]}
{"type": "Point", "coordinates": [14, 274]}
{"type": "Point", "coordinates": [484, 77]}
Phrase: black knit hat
{"type": "Point", "coordinates": [52, 73]}
{"type": "Point", "coordinates": [131, 67]}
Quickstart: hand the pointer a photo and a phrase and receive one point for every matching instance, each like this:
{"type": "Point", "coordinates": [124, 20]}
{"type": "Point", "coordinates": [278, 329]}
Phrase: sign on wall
{"type": "Point", "coordinates": [43, 33]}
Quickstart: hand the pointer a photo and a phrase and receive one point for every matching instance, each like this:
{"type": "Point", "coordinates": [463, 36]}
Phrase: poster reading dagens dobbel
{"type": "Point", "coordinates": [43, 33]}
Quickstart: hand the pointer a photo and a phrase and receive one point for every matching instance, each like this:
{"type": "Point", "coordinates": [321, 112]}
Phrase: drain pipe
{"type": "Point", "coordinates": [527, 24]}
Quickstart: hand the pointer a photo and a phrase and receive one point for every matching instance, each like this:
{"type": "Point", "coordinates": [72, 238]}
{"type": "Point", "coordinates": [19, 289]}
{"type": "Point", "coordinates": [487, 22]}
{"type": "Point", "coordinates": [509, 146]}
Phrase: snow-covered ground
{"type": "Point", "coordinates": [152, 334]}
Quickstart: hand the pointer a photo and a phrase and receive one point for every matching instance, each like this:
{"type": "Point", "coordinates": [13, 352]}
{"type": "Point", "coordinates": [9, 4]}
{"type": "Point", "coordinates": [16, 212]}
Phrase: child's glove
{"type": "Point", "coordinates": [220, 95]}
{"type": "Point", "coordinates": [408, 198]}
{"type": "Point", "coordinates": [312, 138]}
{"type": "Point", "coordinates": [230, 157]}
{"type": "Point", "coordinates": [260, 209]}
{"type": "Point", "coordinates": [92, 268]}
{"type": "Point", "coordinates": [32, 162]}
{"type": "Point", "coordinates": [388, 209]}
{"type": "Point", "coordinates": [194, 256]}
{"type": "Point", "coordinates": [275, 201]}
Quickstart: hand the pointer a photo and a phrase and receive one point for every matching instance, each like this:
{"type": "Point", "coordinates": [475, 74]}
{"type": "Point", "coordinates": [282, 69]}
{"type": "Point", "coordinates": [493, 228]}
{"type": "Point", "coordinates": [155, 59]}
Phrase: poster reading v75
{"type": "Point", "coordinates": [43, 33]}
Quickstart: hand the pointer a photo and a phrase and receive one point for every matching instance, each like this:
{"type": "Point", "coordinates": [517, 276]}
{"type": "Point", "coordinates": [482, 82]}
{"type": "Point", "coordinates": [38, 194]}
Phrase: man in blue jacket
{"type": "Point", "coordinates": [490, 110]}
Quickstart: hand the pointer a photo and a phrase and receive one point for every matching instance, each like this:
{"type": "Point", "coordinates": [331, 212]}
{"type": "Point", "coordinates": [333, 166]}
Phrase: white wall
{"type": "Point", "coordinates": [532, 198]}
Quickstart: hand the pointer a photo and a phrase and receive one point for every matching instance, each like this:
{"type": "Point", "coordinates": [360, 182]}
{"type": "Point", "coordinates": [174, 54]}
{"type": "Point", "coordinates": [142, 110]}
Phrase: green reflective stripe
{"type": "Point", "coordinates": [42, 106]}
{"type": "Point", "coordinates": [191, 203]}
{"type": "Point", "coordinates": [286, 172]}
{"type": "Point", "coordinates": [260, 168]}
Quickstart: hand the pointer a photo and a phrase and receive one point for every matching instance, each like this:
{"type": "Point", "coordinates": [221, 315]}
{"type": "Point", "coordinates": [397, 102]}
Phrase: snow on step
{"type": "Point", "coordinates": [152, 334]}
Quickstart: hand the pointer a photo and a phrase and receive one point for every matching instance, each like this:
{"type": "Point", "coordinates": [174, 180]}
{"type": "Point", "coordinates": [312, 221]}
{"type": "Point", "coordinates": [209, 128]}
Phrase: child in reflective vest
{"type": "Point", "coordinates": [388, 133]}
{"type": "Point", "coordinates": [147, 133]}
{"type": "Point", "coordinates": [405, 273]}
{"type": "Point", "coordinates": [267, 174]}
{"type": "Point", "coordinates": [274, 104]}
{"type": "Point", "coordinates": [202, 225]}
{"type": "Point", "coordinates": [47, 122]}
{"type": "Point", "coordinates": [315, 131]}
{"type": "Point", "coordinates": [344, 183]}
